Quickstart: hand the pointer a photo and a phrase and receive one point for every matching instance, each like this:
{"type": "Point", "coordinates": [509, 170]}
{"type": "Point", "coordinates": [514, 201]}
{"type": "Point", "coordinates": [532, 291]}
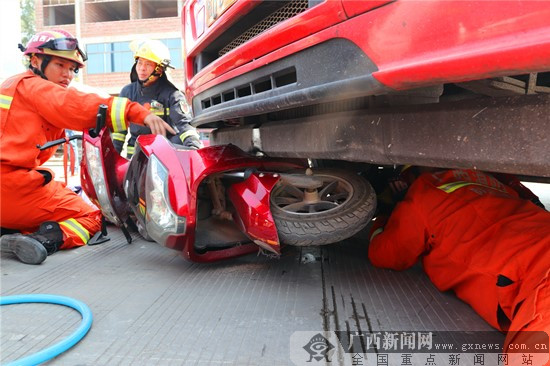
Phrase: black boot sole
{"type": "Point", "coordinates": [28, 250]}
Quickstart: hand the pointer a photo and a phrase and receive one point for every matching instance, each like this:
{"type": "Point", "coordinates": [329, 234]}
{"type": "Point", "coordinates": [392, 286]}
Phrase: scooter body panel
{"type": "Point", "coordinates": [186, 171]}
{"type": "Point", "coordinates": [251, 199]}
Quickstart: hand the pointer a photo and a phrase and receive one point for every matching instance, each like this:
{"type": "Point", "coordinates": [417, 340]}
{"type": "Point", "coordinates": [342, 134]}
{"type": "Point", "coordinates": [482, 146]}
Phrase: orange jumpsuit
{"type": "Point", "coordinates": [34, 111]}
{"type": "Point", "coordinates": [478, 238]}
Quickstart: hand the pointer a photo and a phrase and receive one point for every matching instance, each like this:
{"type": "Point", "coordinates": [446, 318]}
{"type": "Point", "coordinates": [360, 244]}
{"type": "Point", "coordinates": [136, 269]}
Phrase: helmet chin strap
{"type": "Point", "coordinates": [156, 72]}
{"type": "Point", "coordinates": [45, 61]}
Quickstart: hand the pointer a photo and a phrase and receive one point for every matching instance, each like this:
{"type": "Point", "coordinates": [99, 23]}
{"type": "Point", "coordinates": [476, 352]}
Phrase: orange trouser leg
{"type": "Point", "coordinates": [25, 210]}
{"type": "Point", "coordinates": [78, 230]}
{"type": "Point", "coordinates": [541, 322]}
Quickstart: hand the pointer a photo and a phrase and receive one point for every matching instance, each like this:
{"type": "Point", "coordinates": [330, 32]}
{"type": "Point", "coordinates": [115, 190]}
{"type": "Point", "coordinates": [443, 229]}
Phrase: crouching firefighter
{"type": "Point", "coordinates": [37, 106]}
{"type": "Point", "coordinates": [151, 87]}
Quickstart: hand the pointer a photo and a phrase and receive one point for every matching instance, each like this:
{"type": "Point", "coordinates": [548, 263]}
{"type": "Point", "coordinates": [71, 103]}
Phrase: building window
{"type": "Point", "coordinates": [106, 11]}
{"type": "Point", "coordinates": [109, 57]}
{"type": "Point", "coordinates": [58, 12]}
{"type": "Point", "coordinates": [157, 9]}
{"type": "Point", "coordinates": [174, 45]}
{"type": "Point", "coordinates": [105, 58]}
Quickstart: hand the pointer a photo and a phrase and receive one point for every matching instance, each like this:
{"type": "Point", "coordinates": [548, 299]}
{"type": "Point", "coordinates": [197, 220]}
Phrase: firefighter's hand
{"type": "Point", "coordinates": [190, 139]}
{"type": "Point", "coordinates": [192, 142]}
{"type": "Point", "coordinates": [398, 186]}
{"type": "Point", "coordinates": [157, 125]}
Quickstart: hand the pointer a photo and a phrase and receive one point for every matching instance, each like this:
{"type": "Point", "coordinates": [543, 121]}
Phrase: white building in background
{"type": "Point", "coordinates": [10, 29]}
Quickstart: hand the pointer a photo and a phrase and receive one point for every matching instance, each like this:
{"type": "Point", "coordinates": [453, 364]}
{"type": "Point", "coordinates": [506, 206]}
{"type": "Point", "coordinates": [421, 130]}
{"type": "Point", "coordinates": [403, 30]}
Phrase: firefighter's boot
{"type": "Point", "coordinates": [34, 248]}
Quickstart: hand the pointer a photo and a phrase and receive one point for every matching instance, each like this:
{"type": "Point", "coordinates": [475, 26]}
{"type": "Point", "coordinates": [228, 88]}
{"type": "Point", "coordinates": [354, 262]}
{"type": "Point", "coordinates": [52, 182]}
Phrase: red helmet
{"type": "Point", "coordinates": [58, 43]}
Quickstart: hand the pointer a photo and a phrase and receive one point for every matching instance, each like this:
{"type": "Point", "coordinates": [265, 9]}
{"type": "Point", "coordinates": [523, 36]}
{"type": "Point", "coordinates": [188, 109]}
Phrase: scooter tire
{"type": "Point", "coordinates": [332, 225]}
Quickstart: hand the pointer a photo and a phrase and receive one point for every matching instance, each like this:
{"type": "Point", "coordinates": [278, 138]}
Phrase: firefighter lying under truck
{"type": "Point", "coordinates": [487, 241]}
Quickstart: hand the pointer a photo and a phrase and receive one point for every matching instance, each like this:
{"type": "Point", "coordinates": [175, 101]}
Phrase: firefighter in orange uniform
{"type": "Point", "coordinates": [36, 107]}
{"type": "Point", "coordinates": [477, 237]}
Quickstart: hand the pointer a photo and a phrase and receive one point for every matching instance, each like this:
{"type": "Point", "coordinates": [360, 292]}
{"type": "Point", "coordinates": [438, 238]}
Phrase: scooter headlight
{"type": "Point", "coordinates": [161, 219]}
{"type": "Point", "coordinates": [95, 169]}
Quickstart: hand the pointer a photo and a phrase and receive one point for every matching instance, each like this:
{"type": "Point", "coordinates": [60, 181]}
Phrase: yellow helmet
{"type": "Point", "coordinates": [152, 50]}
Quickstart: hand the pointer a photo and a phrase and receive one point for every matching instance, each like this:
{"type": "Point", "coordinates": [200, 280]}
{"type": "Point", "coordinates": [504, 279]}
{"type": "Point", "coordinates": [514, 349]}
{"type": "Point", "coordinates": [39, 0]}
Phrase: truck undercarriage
{"type": "Point", "coordinates": [502, 134]}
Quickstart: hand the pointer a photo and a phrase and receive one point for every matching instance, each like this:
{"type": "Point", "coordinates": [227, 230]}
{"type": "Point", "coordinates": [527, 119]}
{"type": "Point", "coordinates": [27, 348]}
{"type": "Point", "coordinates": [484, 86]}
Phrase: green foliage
{"type": "Point", "coordinates": [28, 26]}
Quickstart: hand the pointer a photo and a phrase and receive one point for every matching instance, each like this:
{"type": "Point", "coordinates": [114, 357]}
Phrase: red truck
{"type": "Point", "coordinates": [458, 84]}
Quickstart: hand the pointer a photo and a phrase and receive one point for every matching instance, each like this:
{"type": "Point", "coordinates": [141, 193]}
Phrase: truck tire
{"type": "Point", "coordinates": [346, 205]}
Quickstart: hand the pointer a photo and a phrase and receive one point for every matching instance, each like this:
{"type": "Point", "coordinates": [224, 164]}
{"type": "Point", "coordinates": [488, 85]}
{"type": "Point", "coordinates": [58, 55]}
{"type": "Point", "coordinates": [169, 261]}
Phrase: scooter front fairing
{"type": "Point", "coordinates": [208, 203]}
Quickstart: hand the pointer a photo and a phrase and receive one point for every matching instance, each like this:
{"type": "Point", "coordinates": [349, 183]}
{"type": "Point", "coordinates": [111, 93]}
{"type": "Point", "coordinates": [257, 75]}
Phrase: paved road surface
{"type": "Point", "coordinates": [151, 307]}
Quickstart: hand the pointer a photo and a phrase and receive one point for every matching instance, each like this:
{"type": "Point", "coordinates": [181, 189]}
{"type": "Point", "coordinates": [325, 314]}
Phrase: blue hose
{"type": "Point", "coordinates": [58, 348]}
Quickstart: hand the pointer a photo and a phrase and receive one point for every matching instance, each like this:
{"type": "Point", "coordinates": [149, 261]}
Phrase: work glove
{"type": "Point", "coordinates": [190, 139]}
{"type": "Point", "coordinates": [192, 142]}
{"type": "Point", "coordinates": [398, 188]}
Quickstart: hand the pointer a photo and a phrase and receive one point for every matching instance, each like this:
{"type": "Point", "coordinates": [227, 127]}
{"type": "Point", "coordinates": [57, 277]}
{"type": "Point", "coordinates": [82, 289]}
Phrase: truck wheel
{"type": "Point", "coordinates": [344, 204]}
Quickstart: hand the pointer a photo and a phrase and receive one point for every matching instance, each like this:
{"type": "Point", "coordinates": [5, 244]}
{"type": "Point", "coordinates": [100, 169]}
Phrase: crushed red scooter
{"type": "Point", "coordinates": [220, 202]}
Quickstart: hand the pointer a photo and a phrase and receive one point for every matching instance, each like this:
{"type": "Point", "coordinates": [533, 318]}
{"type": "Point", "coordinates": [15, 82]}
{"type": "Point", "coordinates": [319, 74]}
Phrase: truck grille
{"type": "Point", "coordinates": [264, 16]}
{"type": "Point", "coordinates": [291, 9]}
{"type": "Point", "coordinates": [266, 83]}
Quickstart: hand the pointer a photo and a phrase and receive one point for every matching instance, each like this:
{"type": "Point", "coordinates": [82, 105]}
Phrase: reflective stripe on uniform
{"type": "Point", "coordinates": [119, 136]}
{"type": "Point", "coordinates": [376, 232]}
{"type": "Point", "coordinates": [5, 101]}
{"type": "Point", "coordinates": [160, 112]}
{"type": "Point", "coordinates": [130, 149]}
{"type": "Point", "coordinates": [453, 186]}
{"type": "Point", "coordinates": [141, 206]}
{"type": "Point", "coordinates": [118, 110]}
{"type": "Point", "coordinates": [75, 227]}
{"type": "Point", "coordinates": [188, 133]}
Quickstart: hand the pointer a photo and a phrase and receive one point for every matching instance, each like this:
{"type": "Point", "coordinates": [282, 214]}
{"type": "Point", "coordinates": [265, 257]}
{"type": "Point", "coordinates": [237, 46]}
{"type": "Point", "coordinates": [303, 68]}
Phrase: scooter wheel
{"type": "Point", "coordinates": [344, 205]}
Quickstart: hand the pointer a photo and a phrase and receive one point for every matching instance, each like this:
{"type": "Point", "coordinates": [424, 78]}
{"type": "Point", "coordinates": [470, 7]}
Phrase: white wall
{"type": "Point", "coordinates": [10, 29]}
{"type": "Point", "coordinates": [541, 190]}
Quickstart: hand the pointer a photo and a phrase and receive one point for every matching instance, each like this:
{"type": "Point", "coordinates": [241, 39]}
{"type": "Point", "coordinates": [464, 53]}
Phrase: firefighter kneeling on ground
{"type": "Point", "coordinates": [36, 107]}
{"type": "Point", "coordinates": [481, 239]}
{"type": "Point", "coordinates": [152, 88]}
